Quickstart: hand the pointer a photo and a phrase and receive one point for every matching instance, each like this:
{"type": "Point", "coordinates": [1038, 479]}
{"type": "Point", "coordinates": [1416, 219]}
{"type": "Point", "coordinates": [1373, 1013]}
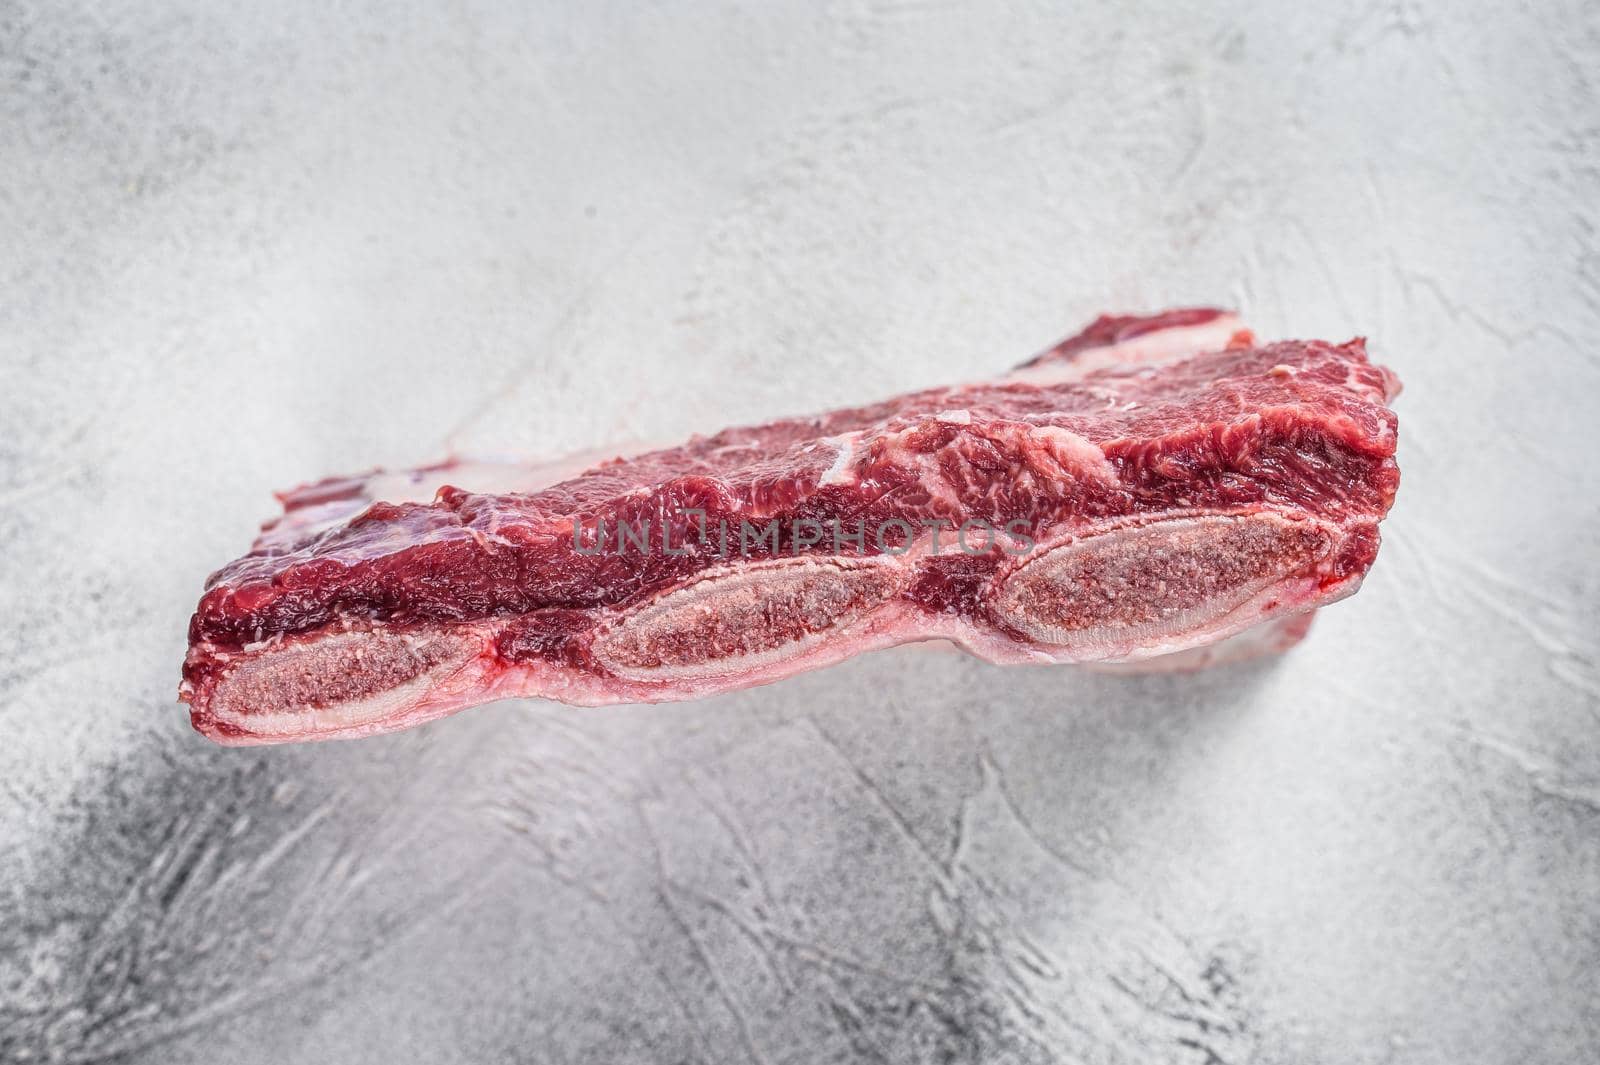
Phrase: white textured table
{"type": "Point", "coordinates": [244, 248]}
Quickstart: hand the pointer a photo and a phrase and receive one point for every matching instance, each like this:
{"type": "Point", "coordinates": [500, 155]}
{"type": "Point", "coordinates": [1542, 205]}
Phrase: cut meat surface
{"type": "Point", "coordinates": [1158, 490]}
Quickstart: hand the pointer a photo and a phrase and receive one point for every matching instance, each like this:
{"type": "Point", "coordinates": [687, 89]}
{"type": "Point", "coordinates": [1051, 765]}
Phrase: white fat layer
{"type": "Point", "coordinates": [839, 473]}
{"type": "Point", "coordinates": [1075, 453]}
{"type": "Point", "coordinates": [1152, 349]}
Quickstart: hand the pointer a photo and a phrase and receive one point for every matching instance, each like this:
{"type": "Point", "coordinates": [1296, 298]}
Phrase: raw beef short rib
{"type": "Point", "coordinates": [1157, 489]}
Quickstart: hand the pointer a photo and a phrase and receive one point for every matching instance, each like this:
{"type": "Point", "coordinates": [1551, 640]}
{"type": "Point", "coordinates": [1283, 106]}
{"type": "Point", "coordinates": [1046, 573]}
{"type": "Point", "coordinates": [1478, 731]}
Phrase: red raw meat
{"type": "Point", "coordinates": [1157, 489]}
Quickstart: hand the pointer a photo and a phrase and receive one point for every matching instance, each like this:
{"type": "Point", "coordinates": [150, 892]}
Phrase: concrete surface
{"type": "Point", "coordinates": [244, 245]}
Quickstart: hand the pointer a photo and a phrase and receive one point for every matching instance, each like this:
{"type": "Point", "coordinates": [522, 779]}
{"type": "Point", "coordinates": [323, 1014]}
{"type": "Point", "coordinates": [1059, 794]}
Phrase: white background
{"type": "Point", "coordinates": [240, 249]}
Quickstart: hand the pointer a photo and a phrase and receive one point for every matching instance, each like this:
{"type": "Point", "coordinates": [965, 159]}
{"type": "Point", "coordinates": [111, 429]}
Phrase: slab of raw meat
{"type": "Point", "coordinates": [1156, 489]}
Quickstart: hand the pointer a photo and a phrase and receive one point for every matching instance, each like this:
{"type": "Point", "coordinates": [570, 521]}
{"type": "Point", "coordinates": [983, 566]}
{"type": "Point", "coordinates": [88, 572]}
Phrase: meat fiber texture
{"type": "Point", "coordinates": [1159, 490]}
